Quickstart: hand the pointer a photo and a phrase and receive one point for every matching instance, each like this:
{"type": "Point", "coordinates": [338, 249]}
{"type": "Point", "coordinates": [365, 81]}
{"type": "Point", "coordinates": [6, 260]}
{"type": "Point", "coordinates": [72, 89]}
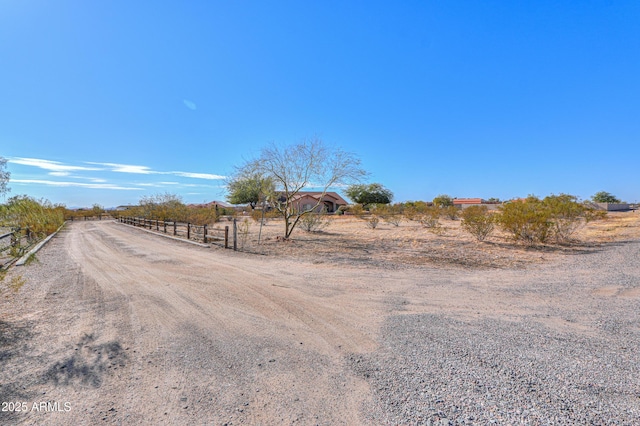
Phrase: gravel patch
{"type": "Point", "coordinates": [440, 369]}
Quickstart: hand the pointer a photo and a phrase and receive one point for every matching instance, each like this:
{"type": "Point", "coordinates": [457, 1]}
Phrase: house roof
{"type": "Point", "coordinates": [468, 201]}
{"type": "Point", "coordinates": [317, 194]}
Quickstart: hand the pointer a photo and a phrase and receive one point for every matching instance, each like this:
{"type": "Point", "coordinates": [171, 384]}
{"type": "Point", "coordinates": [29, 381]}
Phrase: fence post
{"type": "Point", "coordinates": [226, 237]}
{"type": "Point", "coordinates": [235, 235]}
{"type": "Point", "coordinates": [188, 231]}
{"type": "Point", "coordinates": [157, 225]}
{"type": "Point", "coordinates": [175, 231]}
{"type": "Point", "coordinates": [205, 234]}
{"type": "Point", "coordinates": [164, 223]}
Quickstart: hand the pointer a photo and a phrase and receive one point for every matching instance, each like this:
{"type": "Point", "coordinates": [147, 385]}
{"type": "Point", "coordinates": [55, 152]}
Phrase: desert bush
{"type": "Point", "coordinates": [451, 212]}
{"type": "Point", "coordinates": [315, 222]}
{"type": "Point", "coordinates": [528, 221]}
{"type": "Point", "coordinates": [372, 221]}
{"type": "Point", "coordinates": [202, 215]}
{"type": "Point", "coordinates": [566, 214]}
{"type": "Point", "coordinates": [591, 214]}
{"type": "Point", "coordinates": [413, 210]}
{"type": "Point", "coordinates": [556, 217]}
{"type": "Point", "coordinates": [256, 215]}
{"type": "Point", "coordinates": [430, 219]}
{"type": "Point", "coordinates": [40, 217]}
{"type": "Point", "coordinates": [243, 232]}
{"type": "Point", "coordinates": [161, 207]}
{"type": "Point", "coordinates": [443, 200]}
{"type": "Point", "coordinates": [478, 221]}
{"type": "Point", "coordinates": [357, 210]}
{"type": "Point", "coordinates": [393, 219]}
{"type": "Point", "coordinates": [392, 214]}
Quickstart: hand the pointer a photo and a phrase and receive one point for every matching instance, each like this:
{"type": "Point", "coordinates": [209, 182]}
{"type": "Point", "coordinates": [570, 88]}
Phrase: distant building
{"type": "Point", "coordinates": [611, 207]}
{"type": "Point", "coordinates": [305, 200]}
{"type": "Point", "coordinates": [214, 204]}
{"type": "Point", "coordinates": [463, 203]}
{"type": "Point", "coordinates": [468, 201]}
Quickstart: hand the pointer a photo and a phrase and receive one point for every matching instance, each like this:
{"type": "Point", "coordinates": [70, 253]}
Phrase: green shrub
{"type": "Point", "coordinates": [430, 219]}
{"type": "Point", "coordinates": [478, 221]}
{"type": "Point", "coordinates": [392, 214]}
{"type": "Point", "coordinates": [39, 217]}
{"type": "Point", "coordinates": [451, 212]}
{"type": "Point", "coordinates": [202, 215]}
{"type": "Point", "coordinates": [315, 222]}
{"type": "Point", "coordinates": [604, 197]}
{"type": "Point", "coordinates": [413, 210]}
{"type": "Point", "coordinates": [357, 210]}
{"type": "Point", "coordinates": [535, 221]}
{"type": "Point", "coordinates": [566, 214]}
{"type": "Point", "coordinates": [443, 200]}
{"type": "Point", "coordinates": [527, 221]}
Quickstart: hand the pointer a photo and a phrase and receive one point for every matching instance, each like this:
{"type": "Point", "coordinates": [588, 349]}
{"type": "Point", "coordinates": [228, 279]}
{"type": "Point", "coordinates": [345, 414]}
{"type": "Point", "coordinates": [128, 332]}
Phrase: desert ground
{"type": "Point", "coordinates": [395, 325]}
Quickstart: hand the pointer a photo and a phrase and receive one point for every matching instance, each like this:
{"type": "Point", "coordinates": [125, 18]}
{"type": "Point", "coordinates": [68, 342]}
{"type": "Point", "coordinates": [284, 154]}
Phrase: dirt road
{"type": "Point", "coordinates": [141, 329]}
{"type": "Point", "coordinates": [117, 326]}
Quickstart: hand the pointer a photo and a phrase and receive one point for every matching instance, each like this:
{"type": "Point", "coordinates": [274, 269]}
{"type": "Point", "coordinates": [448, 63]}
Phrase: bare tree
{"type": "Point", "coordinates": [4, 177]}
{"type": "Point", "coordinates": [309, 164]}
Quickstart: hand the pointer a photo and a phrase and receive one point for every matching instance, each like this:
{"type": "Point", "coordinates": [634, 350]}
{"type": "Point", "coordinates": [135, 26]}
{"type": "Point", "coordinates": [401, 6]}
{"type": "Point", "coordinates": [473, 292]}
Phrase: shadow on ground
{"type": "Point", "coordinates": [88, 364]}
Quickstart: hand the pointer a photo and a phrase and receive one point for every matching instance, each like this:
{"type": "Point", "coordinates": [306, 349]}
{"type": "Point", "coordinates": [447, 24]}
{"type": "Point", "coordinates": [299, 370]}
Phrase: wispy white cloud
{"type": "Point", "coordinates": [144, 170]}
{"type": "Point", "coordinates": [59, 169]}
{"type": "Point", "coordinates": [197, 175]}
{"type": "Point", "coordinates": [126, 168]}
{"type": "Point", "coordinates": [189, 104]}
{"type": "Point", "coordinates": [73, 184]}
{"type": "Point", "coordinates": [157, 184]}
{"type": "Point", "coordinates": [54, 166]}
{"type": "Point", "coordinates": [69, 175]}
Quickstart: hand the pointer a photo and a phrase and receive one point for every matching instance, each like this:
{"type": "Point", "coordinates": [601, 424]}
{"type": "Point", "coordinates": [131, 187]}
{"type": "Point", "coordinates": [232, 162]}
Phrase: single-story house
{"type": "Point", "coordinates": [330, 202]}
{"type": "Point", "coordinates": [468, 201]}
{"type": "Point", "coordinates": [463, 203]}
{"type": "Point", "coordinates": [214, 204]}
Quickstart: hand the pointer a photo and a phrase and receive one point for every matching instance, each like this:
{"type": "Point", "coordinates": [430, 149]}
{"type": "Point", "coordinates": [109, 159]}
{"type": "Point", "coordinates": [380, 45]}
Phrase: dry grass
{"type": "Point", "coordinates": [349, 240]}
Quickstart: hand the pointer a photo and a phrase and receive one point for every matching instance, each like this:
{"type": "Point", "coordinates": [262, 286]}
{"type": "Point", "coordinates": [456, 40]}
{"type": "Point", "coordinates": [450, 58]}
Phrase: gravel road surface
{"type": "Point", "coordinates": [116, 326]}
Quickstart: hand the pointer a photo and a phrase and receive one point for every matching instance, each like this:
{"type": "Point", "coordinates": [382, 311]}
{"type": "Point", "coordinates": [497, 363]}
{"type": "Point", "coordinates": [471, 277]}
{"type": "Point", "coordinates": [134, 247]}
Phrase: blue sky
{"type": "Point", "coordinates": [104, 102]}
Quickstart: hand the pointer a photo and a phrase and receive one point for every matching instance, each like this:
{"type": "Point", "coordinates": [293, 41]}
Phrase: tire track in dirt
{"type": "Point", "coordinates": [173, 294]}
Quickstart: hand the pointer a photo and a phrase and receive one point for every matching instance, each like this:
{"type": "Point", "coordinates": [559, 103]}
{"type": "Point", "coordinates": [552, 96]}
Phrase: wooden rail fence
{"type": "Point", "coordinates": [14, 244]}
{"type": "Point", "coordinates": [204, 233]}
{"type": "Point", "coordinates": [89, 217]}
